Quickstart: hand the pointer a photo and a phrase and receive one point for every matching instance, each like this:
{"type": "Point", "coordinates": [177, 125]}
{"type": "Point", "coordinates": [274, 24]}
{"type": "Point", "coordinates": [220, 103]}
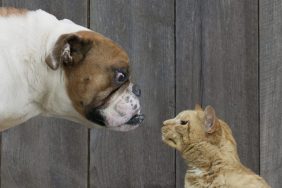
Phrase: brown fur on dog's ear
{"type": "Point", "coordinates": [210, 119]}
{"type": "Point", "coordinates": [198, 107]}
{"type": "Point", "coordinates": [69, 49]}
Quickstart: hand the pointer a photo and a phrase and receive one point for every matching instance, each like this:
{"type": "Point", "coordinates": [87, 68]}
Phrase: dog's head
{"type": "Point", "coordinates": [97, 79]}
{"type": "Point", "coordinates": [190, 127]}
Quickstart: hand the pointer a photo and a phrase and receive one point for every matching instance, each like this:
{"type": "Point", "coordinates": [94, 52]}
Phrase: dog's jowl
{"type": "Point", "coordinates": [57, 68]}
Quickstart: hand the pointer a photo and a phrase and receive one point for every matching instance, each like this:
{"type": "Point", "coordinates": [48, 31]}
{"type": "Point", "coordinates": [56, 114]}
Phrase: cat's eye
{"type": "Point", "coordinates": [183, 122]}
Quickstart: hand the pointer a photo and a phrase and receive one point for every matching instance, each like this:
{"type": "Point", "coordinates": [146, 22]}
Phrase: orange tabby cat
{"type": "Point", "coordinates": [207, 145]}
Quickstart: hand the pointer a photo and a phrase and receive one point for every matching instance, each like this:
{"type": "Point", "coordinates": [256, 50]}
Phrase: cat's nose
{"type": "Point", "coordinates": [167, 122]}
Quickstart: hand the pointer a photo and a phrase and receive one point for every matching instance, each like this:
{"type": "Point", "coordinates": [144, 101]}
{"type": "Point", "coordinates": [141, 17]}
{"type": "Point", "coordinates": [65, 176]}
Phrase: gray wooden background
{"type": "Point", "coordinates": [226, 53]}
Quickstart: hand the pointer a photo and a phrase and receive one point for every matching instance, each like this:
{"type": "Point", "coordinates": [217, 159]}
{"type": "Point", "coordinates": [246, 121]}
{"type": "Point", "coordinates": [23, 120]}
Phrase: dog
{"type": "Point", "coordinates": [209, 149]}
{"type": "Point", "coordinates": [57, 68]}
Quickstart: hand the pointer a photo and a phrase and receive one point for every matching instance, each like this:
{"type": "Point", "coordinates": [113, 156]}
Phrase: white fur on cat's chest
{"type": "Point", "coordinates": [195, 171]}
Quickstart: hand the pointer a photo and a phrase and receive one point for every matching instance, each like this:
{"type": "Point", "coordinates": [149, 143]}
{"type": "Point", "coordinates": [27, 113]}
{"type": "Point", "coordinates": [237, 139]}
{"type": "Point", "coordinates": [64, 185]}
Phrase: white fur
{"type": "Point", "coordinates": [121, 109]}
{"type": "Point", "coordinates": [195, 171]}
{"type": "Point", "coordinates": [27, 86]}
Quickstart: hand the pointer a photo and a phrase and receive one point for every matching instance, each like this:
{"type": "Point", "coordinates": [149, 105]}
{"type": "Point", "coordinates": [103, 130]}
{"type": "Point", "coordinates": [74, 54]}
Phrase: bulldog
{"type": "Point", "coordinates": [57, 68]}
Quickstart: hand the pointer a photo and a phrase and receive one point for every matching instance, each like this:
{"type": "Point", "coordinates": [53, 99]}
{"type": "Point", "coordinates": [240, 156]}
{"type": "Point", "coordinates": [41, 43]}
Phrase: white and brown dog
{"type": "Point", "coordinates": [56, 68]}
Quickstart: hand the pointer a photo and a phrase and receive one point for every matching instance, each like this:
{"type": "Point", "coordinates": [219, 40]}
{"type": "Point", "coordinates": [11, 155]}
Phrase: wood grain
{"type": "Point", "coordinates": [0, 136]}
{"type": "Point", "coordinates": [182, 53]}
{"type": "Point", "coordinates": [75, 10]}
{"type": "Point", "coordinates": [138, 158]}
{"type": "Point", "coordinates": [230, 70]}
{"type": "Point", "coordinates": [271, 91]}
{"type": "Point", "coordinates": [217, 64]}
{"type": "Point", "coordinates": [46, 152]}
{"type": "Point", "coordinates": [188, 64]}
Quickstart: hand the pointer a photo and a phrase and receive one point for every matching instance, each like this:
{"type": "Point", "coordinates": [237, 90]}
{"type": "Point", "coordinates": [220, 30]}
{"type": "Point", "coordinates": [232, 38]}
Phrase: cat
{"type": "Point", "coordinates": [207, 145]}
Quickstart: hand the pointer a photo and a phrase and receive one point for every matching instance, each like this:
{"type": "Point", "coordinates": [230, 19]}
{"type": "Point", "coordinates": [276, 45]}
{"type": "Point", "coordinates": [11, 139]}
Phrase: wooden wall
{"type": "Point", "coordinates": [270, 80]}
{"type": "Point", "coordinates": [138, 158]}
{"type": "Point", "coordinates": [223, 53]}
{"type": "Point", "coordinates": [217, 64]}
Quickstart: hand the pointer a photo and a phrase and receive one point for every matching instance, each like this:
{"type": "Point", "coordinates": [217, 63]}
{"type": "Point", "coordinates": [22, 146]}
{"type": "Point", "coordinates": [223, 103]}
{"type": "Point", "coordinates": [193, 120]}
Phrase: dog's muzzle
{"type": "Point", "coordinates": [122, 112]}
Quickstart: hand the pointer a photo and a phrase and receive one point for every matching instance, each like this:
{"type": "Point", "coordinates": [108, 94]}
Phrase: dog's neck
{"type": "Point", "coordinates": [52, 97]}
{"type": "Point", "coordinates": [41, 90]}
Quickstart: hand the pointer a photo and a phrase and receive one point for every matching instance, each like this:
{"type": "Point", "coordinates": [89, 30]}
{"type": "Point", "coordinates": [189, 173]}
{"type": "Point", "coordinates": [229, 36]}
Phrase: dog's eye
{"type": "Point", "coordinates": [182, 122]}
{"type": "Point", "coordinates": [120, 77]}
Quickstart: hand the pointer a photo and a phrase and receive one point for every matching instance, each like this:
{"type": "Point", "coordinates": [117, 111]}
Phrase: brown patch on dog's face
{"type": "Point", "coordinates": [97, 79]}
{"type": "Point", "coordinates": [90, 82]}
{"type": "Point", "coordinates": [8, 11]}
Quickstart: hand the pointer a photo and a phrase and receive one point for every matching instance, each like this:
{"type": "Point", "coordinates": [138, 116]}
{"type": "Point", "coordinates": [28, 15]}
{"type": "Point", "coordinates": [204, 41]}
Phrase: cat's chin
{"type": "Point", "coordinates": [170, 142]}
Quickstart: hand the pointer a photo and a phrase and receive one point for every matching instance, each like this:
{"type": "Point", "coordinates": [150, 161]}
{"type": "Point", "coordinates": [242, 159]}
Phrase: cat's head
{"type": "Point", "coordinates": [192, 126]}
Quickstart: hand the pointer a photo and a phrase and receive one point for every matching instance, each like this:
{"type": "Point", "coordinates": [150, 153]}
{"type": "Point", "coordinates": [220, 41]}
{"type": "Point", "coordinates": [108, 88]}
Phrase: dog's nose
{"type": "Point", "coordinates": [136, 90]}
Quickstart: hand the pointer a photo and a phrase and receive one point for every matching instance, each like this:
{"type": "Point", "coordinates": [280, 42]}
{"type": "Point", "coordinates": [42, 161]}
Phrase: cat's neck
{"type": "Point", "coordinates": [204, 157]}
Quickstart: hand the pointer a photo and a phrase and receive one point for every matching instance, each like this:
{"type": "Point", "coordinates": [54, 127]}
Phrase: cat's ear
{"type": "Point", "coordinates": [210, 120]}
{"type": "Point", "coordinates": [198, 107]}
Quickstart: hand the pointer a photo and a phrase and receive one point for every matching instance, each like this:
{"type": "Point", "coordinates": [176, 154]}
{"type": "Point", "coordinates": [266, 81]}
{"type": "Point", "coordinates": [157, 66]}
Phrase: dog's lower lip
{"type": "Point", "coordinates": [137, 119]}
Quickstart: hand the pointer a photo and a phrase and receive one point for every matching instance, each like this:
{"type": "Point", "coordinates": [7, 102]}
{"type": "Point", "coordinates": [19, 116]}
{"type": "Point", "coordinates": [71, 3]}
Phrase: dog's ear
{"type": "Point", "coordinates": [210, 120]}
{"type": "Point", "coordinates": [70, 49]}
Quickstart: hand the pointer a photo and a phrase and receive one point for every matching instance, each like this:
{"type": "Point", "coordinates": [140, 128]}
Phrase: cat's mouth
{"type": "Point", "coordinates": [167, 137]}
{"type": "Point", "coordinates": [171, 141]}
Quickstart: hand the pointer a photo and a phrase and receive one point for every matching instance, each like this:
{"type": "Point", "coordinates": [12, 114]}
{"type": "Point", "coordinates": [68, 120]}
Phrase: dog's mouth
{"type": "Point", "coordinates": [131, 124]}
{"type": "Point", "coordinates": [122, 112]}
{"type": "Point", "coordinates": [136, 119]}
{"type": "Point", "coordinates": [96, 117]}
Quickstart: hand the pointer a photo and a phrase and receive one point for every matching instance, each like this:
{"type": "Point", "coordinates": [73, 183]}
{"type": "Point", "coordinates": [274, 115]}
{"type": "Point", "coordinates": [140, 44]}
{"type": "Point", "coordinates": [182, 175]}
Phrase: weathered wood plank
{"type": "Point", "coordinates": [230, 70]}
{"type": "Point", "coordinates": [138, 158]}
{"type": "Point", "coordinates": [271, 91]}
{"type": "Point", "coordinates": [188, 65]}
{"type": "Point", "coordinates": [74, 10]}
{"type": "Point", "coordinates": [46, 152]}
{"type": "Point", "coordinates": [0, 136]}
{"type": "Point", "coordinates": [0, 159]}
